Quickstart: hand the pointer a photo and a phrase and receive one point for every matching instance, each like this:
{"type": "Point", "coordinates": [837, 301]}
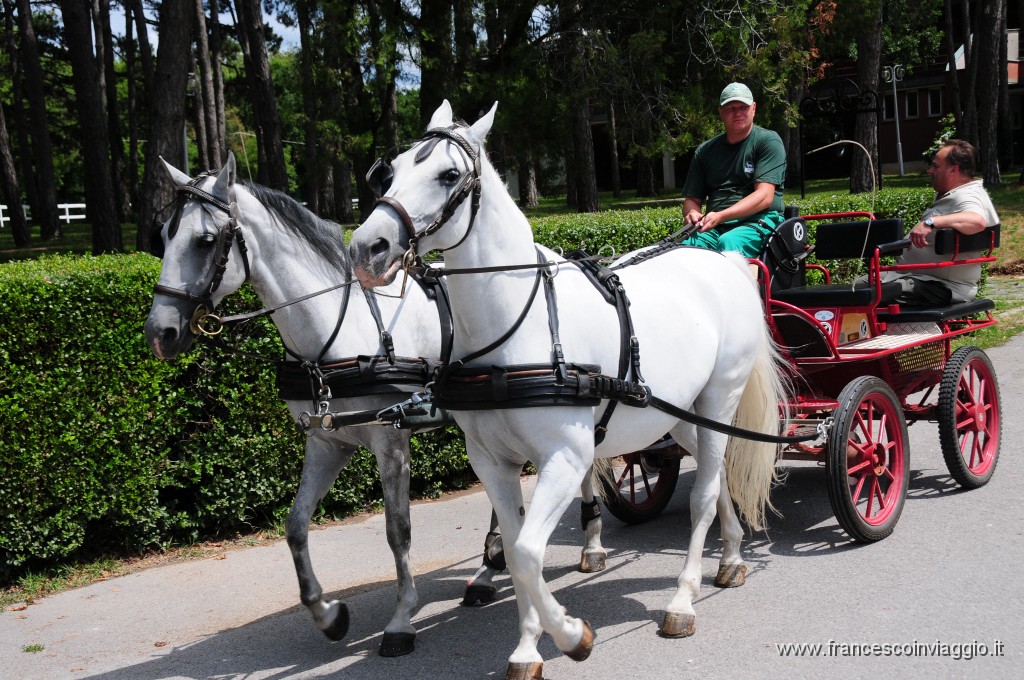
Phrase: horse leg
{"type": "Point", "coordinates": [480, 589]}
{"type": "Point", "coordinates": [501, 482]}
{"type": "Point", "coordinates": [323, 461]}
{"type": "Point", "coordinates": [593, 557]}
{"type": "Point", "coordinates": [732, 572]}
{"type": "Point", "coordinates": [680, 619]}
{"type": "Point", "coordinates": [391, 448]}
{"type": "Point", "coordinates": [558, 475]}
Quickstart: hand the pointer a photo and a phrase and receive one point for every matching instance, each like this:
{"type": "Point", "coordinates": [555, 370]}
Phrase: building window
{"type": "Point", "coordinates": [911, 98]}
{"type": "Point", "coordinates": [935, 102]}
{"type": "Point", "coordinates": [888, 107]}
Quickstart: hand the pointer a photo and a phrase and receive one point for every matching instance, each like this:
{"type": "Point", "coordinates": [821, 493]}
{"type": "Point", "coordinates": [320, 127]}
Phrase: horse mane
{"type": "Point", "coordinates": [323, 236]}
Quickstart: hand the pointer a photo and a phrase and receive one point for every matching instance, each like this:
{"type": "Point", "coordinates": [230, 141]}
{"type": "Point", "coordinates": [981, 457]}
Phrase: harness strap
{"type": "Point", "coordinates": [556, 342]}
{"type": "Point", "coordinates": [589, 512]}
{"type": "Point", "coordinates": [447, 369]}
{"type": "Point", "coordinates": [385, 337]}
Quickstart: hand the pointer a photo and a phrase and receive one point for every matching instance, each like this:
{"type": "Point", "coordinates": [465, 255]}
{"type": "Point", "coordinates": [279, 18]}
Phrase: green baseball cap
{"type": "Point", "coordinates": [736, 92]}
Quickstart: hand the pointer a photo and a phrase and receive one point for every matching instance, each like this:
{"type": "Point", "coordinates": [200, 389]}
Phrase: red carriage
{"type": "Point", "coordinates": [865, 366]}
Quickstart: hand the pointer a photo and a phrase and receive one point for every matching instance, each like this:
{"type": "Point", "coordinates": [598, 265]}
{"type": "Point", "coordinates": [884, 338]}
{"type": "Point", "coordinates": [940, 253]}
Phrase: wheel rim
{"type": "Point", "coordinates": [638, 483]}
{"type": "Point", "coordinates": [875, 460]}
{"type": "Point", "coordinates": [977, 417]}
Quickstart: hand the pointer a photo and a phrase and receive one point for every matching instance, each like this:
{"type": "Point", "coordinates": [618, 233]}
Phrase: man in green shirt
{"type": "Point", "coordinates": [739, 176]}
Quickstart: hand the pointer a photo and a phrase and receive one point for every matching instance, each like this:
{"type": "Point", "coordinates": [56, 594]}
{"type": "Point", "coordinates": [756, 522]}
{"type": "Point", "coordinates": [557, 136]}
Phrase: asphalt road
{"type": "Point", "coordinates": [937, 599]}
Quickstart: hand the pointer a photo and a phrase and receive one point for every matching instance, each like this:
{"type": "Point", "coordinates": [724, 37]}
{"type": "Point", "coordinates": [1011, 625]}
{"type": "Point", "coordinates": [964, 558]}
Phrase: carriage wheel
{"type": "Point", "coordinates": [868, 461]}
{"type": "Point", "coordinates": [640, 486]}
{"type": "Point", "coordinates": [968, 414]}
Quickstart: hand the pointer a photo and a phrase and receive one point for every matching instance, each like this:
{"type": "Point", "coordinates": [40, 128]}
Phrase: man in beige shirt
{"type": "Point", "coordinates": [961, 203]}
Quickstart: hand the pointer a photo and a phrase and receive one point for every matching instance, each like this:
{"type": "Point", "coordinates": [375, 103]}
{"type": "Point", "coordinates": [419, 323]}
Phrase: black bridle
{"type": "Point", "coordinates": [381, 173]}
{"type": "Point", "coordinates": [232, 235]}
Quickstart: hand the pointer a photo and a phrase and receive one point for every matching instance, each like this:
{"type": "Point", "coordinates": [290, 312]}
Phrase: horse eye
{"type": "Point", "coordinates": [207, 239]}
{"type": "Point", "coordinates": [451, 176]}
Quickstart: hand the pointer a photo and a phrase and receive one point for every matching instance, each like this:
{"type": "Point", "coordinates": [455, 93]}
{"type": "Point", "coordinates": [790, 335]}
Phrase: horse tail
{"type": "Point", "coordinates": [749, 465]}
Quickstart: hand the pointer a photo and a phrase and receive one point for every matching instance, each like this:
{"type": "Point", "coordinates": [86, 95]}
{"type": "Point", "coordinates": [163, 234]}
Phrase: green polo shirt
{"type": "Point", "coordinates": [723, 173]}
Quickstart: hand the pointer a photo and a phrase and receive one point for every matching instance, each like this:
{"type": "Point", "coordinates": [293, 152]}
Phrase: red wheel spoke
{"type": "Point", "coordinates": [647, 481]}
{"type": "Point", "coordinates": [855, 493]}
{"type": "Point", "coordinates": [858, 467]}
{"type": "Point", "coordinates": [880, 495]}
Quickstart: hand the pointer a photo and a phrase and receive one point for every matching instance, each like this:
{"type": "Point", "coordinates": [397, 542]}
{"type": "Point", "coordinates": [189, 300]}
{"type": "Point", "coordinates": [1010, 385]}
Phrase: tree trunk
{"type": "Point", "coordinates": [272, 171]}
{"type": "Point", "coordinates": [988, 66]}
{"type": "Point", "coordinates": [9, 186]}
{"type": "Point", "coordinates": [167, 117]}
{"type": "Point", "coordinates": [45, 212]}
{"type": "Point", "coordinates": [613, 135]}
{"type": "Point", "coordinates": [99, 191]}
{"type": "Point", "coordinates": [957, 107]}
{"type": "Point", "coordinates": [20, 123]}
{"type": "Point", "coordinates": [645, 177]}
{"type": "Point", "coordinates": [969, 131]}
{"type": "Point", "coordinates": [218, 83]}
{"type": "Point", "coordinates": [211, 137]}
{"type": "Point", "coordinates": [528, 195]}
{"type": "Point", "coordinates": [435, 28]}
{"type": "Point", "coordinates": [101, 19]}
{"type": "Point", "coordinates": [869, 57]}
{"type": "Point", "coordinates": [310, 96]}
{"type": "Point", "coordinates": [583, 156]}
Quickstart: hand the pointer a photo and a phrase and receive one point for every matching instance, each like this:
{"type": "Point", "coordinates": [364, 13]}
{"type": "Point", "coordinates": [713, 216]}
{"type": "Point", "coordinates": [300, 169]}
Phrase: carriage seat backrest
{"type": "Point", "coordinates": [841, 240]}
{"type": "Point", "coordinates": [784, 254]}
{"type": "Point", "coordinates": [946, 241]}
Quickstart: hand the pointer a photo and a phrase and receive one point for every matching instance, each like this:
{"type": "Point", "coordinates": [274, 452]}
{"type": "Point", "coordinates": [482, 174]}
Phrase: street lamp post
{"type": "Point", "coordinates": [894, 74]}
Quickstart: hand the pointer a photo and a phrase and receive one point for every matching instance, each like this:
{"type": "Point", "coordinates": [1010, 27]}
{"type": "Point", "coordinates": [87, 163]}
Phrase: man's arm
{"type": "Point", "coordinates": [965, 222]}
{"type": "Point", "coordinates": [759, 200]}
{"type": "Point", "coordinates": [691, 210]}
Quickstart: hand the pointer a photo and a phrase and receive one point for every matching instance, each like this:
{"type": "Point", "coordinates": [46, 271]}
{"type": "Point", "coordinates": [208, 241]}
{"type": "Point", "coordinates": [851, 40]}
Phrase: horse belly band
{"type": "Point", "coordinates": [354, 377]}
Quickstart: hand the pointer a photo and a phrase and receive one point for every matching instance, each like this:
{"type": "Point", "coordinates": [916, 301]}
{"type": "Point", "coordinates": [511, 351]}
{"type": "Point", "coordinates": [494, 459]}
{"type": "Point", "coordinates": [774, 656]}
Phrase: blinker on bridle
{"type": "Point", "coordinates": [381, 174]}
{"type": "Point", "coordinates": [203, 321]}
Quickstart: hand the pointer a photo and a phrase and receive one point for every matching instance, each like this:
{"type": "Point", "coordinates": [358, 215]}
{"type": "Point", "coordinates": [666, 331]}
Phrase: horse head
{"type": "Point", "coordinates": [427, 198]}
{"type": "Point", "coordinates": [198, 269]}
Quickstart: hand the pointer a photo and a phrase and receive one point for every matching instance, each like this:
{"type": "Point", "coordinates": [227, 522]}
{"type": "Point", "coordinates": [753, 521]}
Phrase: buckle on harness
{"type": "Point", "coordinates": [415, 405]}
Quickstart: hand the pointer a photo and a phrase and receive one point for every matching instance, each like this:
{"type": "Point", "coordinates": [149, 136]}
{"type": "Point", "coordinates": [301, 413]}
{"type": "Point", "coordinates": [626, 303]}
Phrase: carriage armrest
{"type": "Point", "coordinates": [894, 247]}
{"type": "Point", "coordinates": [951, 241]}
{"type": "Point", "coordinates": [957, 310]}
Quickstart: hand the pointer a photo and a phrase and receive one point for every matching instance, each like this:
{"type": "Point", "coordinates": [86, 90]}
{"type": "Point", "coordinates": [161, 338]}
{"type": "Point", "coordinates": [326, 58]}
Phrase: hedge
{"type": "Point", "coordinates": [107, 449]}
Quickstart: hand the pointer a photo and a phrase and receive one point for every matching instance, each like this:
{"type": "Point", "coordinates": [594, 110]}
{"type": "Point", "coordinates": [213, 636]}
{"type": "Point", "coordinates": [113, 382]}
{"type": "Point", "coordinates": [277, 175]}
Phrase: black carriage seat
{"type": "Point", "coordinates": [784, 254]}
{"type": "Point", "coordinates": [846, 240]}
{"type": "Point", "coordinates": [954, 244]}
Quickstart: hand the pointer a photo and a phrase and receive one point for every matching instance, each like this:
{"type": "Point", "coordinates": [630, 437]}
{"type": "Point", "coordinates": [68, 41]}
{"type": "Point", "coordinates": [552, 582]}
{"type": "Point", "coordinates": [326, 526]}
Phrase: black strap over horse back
{"type": "Point", "coordinates": [608, 283]}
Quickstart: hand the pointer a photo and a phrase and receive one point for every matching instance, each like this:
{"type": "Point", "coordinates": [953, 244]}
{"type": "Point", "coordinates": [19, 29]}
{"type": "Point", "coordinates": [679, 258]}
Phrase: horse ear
{"type": "Point", "coordinates": [442, 118]}
{"type": "Point", "coordinates": [225, 178]}
{"type": "Point", "coordinates": [483, 126]}
{"type": "Point", "coordinates": [177, 176]}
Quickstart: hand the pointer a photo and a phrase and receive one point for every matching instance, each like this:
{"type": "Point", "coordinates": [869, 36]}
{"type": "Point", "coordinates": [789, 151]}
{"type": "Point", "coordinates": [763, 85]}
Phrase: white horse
{"type": "Point", "coordinates": [702, 337]}
{"type": "Point", "coordinates": [290, 254]}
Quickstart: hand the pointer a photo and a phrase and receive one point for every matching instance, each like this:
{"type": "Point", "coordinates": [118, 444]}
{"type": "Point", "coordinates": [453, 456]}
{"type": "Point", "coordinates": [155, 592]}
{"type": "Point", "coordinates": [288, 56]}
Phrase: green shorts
{"type": "Point", "coordinates": [747, 238]}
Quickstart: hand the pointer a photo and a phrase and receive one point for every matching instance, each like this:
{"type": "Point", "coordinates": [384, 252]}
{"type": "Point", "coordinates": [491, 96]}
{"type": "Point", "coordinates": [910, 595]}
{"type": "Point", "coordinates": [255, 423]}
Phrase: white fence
{"type": "Point", "coordinates": [68, 212]}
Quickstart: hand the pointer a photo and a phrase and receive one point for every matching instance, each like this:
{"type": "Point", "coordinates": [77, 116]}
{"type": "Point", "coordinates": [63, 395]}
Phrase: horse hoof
{"type": "Point", "coordinates": [586, 645]}
{"type": "Point", "coordinates": [592, 561]}
{"type": "Point", "coordinates": [477, 596]}
{"type": "Point", "coordinates": [339, 626]}
{"type": "Point", "coordinates": [678, 625]}
{"type": "Point", "coordinates": [731, 575]}
{"type": "Point", "coordinates": [525, 671]}
{"type": "Point", "coordinates": [397, 644]}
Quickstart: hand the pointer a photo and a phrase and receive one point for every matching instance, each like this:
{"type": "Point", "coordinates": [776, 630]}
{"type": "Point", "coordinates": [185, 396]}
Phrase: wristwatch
{"type": "Point", "coordinates": [929, 222]}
